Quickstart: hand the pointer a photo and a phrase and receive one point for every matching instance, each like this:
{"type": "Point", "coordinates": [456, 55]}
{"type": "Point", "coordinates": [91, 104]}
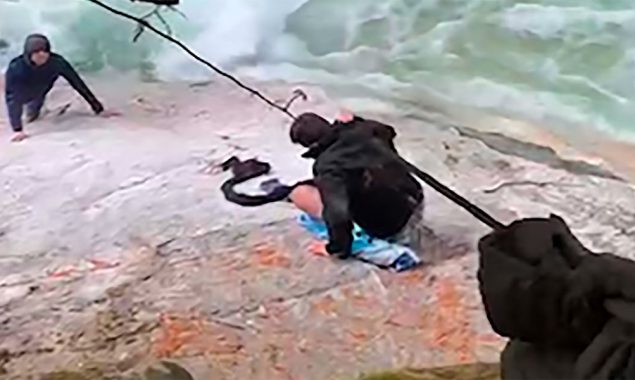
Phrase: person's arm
{"type": "Point", "coordinates": [14, 105]}
{"type": "Point", "coordinates": [379, 130]}
{"type": "Point", "coordinates": [384, 132]}
{"type": "Point", "coordinates": [336, 215]}
{"type": "Point", "coordinates": [68, 72]}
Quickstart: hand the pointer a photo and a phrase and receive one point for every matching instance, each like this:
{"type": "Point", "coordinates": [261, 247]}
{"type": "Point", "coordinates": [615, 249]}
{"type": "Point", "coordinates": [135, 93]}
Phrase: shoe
{"type": "Point", "coordinates": [274, 188]}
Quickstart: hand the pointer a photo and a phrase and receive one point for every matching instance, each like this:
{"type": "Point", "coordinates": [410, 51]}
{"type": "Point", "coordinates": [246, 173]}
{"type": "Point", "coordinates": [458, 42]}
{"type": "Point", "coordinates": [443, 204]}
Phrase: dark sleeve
{"type": "Point", "coordinates": [514, 293]}
{"type": "Point", "coordinates": [336, 215]}
{"type": "Point", "coordinates": [68, 72]}
{"type": "Point", "coordinates": [382, 131]}
{"type": "Point", "coordinates": [524, 277]}
{"type": "Point", "coordinates": [14, 105]}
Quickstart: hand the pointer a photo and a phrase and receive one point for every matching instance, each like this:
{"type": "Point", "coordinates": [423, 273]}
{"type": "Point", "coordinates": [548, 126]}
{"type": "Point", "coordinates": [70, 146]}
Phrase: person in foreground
{"type": "Point", "coordinates": [354, 182]}
{"type": "Point", "coordinates": [31, 76]}
{"type": "Point", "coordinates": [569, 312]}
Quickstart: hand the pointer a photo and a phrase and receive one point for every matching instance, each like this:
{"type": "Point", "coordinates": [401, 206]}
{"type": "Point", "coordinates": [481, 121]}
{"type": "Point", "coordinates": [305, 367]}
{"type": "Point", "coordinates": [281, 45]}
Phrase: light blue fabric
{"type": "Point", "coordinates": [375, 251]}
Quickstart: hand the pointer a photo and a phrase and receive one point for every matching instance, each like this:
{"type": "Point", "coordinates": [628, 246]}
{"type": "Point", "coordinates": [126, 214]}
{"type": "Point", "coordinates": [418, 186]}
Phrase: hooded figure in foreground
{"type": "Point", "coordinates": [31, 76]}
{"type": "Point", "coordinates": [355, 182]}
{"type": "Point", "coordinates": [569, 312]}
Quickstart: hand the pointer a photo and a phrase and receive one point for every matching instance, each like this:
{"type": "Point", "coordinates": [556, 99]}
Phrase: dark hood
{"type": "Point", "coordinates": [35, 43]}
{"type": "Point", "coordinates": [325, 142]}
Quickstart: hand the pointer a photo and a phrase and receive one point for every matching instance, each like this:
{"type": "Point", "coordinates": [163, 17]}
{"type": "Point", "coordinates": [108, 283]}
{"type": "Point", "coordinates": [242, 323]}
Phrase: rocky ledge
{"type": "Point", "coordinates": [118, 251]}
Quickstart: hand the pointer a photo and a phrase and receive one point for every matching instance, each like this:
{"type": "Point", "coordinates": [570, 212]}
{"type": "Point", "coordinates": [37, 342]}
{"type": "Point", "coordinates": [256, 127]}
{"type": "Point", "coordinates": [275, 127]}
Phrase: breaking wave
{"type": "Point", "coordinates": [570, 61]}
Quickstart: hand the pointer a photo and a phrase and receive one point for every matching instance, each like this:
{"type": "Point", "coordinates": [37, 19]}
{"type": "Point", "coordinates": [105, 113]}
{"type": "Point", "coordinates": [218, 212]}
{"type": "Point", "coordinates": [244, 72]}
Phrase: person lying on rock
{"type": "Point", "coordinates": [31, 76]}
{"type": "Point", "coordinates": [355, 183]}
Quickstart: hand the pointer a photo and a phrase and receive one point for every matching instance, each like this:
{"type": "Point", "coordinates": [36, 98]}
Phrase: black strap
{"type": "Point", "coordinates": [256, 168]}
{"type": "Point", "coordinates": [244, 171]}
{"type": "Point", "coordinates": [476, 211]}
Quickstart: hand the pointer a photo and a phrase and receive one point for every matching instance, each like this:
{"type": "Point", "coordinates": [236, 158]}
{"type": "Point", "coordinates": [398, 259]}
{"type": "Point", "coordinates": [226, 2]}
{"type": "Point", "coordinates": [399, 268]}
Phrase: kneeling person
{"type": "Point", "coordinates": [354, 182]}
{"type": "Point", "coordinates": [30, 77]}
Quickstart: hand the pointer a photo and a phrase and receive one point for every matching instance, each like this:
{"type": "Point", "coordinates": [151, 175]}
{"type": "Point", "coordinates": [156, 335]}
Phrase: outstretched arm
{"type": "Point", "coordinates": [14, 105]}
{"type": "Point", "coordinates": [336, 213]}
{"type": "Point", "coordinates": [68, 72]}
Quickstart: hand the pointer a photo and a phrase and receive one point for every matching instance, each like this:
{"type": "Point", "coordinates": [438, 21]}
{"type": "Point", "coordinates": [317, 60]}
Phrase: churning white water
{"type": "Point", "coordinates": [549, 61]}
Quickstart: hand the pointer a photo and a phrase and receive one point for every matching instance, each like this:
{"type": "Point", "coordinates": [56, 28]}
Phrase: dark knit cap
{"type": "Point", "coordinates": [36, 43]}
{"type": "Point", "coordinates": [308, 129]}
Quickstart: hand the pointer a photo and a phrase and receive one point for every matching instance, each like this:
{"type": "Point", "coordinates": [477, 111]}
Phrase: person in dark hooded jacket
{"type": "Point", "coordinates": [355, 182]}
{"type": "Point", "coordinates": [31, 76]}
{"type": "Point", "coordinates": [569, 312]}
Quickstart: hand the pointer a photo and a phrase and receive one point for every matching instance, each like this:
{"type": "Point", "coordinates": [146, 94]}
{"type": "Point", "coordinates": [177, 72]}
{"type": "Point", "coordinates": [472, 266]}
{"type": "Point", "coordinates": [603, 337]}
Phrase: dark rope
{"type": "Point", "coordinates": [476, 211]}
{"type": "Point", "coordinates": [468, 206]}
{"type": "Point", "coordinates": [473, 209]}
{"type": "Point", "coordinates": [146, 24]}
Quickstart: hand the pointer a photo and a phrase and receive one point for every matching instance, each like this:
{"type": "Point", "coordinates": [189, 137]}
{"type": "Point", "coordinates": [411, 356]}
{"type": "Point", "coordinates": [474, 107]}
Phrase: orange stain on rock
{"type": "Point", "coordinates": [415, 277]}
{"type": "Point", "coordinates": [269, 255]}
{"type": "Point", "coordinates": [175, 333]}
{"type": "Point", "coordinates": [408, 317]}
{"type": "Point", "coordinates": [181, 336]}
{"type": "Point", "coordinates": [358, 336]}
{"type": "Point", "coordinates": [362, 302]}
{"type": "Point", "coordinates": [326, 305]}
{"type": "Point", "coordinates": [63, 273]}
{"type": "Point", "coordinates": [101, 264]}
{"type": "Point", "coordinates": [451, 327]}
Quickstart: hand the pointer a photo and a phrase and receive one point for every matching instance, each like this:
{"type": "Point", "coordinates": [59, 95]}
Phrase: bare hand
{"type": "Point", "coordinates": [109, 113]}
{"type": "Point", "coordinates": [345, 116]}
{"type": "Point", "coordinates": [19, 136]}
{"type": "Point", "coordinates": [318, 248]}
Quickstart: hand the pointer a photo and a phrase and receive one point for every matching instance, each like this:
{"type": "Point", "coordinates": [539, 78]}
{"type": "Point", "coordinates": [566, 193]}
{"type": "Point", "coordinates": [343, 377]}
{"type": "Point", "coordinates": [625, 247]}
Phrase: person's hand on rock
{"type": "Point", "coordinates": [19, 136]}
{"type": "Point", "coordinates": [335, 251]}
{"type": "Point", "coordinates": [109, 113]}
{"type": "Point", "coordinates": [318, 248]}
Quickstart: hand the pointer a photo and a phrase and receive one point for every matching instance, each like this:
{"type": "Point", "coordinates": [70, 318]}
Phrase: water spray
{"type": "Point", "coordinates": [144, 24]}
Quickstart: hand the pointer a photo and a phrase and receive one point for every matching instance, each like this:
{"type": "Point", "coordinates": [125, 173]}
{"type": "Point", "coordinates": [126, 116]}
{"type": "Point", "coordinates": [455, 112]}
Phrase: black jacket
{"type": "Point", "coordinates": [25, 82]}
{"type": "Point", "coordinates": [570, 313]}
{"type": "Point", "coordinates": [360, 184]}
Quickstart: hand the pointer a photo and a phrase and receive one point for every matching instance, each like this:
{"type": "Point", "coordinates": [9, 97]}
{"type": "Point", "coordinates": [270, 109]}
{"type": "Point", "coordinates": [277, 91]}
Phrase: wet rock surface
{"type": "Point", "coordinates": [118, 251]}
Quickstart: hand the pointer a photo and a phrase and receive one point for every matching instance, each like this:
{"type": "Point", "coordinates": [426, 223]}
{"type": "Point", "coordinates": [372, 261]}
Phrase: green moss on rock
{"type": "Point", "coordinates": [462, 372]}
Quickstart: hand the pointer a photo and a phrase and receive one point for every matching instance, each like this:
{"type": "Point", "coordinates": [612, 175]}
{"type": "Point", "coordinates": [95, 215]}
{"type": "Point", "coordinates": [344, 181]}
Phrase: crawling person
{"type": "Point", "coordinates": [354, 183]}
{"type": "Point", "coordinates": [31, 76]}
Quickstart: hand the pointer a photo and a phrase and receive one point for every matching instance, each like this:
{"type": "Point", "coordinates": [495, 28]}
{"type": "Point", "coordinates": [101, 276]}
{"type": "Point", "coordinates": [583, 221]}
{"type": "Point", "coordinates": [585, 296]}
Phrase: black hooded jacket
{"type": "Point", "coordinates": [569, 312]}
{"type": "Point", "coordinates": [25, 82]}
{"type": "Point", "coordinates": [360, 184]}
